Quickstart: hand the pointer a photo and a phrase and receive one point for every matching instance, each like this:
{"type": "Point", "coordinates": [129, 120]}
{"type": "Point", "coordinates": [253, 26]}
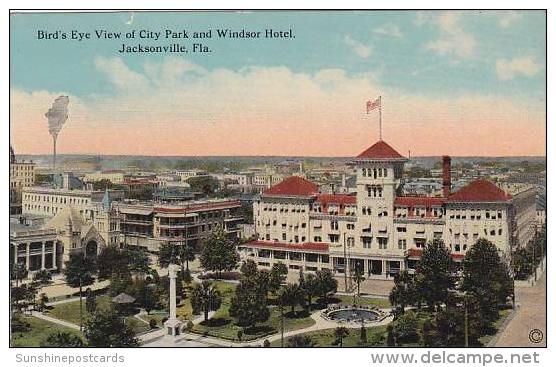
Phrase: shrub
{"type": "Point", "coordinates": [266, 343]}
{"type": "Point", "coordinates": [406, 328]}
{"type": "Point", "coordinates": [152, 323]}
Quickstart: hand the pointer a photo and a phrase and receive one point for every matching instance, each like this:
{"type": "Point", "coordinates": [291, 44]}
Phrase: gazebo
{"type": "Point", "coordinates": [123, 301]}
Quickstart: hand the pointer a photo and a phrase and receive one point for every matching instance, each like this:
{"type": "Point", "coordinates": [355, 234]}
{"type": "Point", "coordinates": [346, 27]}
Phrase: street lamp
{"type": "Point", "coordinates": [466, 315]}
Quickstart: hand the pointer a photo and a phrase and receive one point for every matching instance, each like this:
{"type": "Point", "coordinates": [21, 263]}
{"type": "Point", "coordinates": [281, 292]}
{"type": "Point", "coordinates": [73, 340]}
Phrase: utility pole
{"type": "Point", "coordinates": [466, 321]}
{"type": "Point", "coordinates": [345, 266]}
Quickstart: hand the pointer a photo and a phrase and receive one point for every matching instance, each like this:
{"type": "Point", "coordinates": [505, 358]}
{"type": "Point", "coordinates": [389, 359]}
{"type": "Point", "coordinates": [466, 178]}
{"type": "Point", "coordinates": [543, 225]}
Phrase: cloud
{"type": "Point", "coordinates": [389, 29]}
{"type": "Point", "coordinates": [519, 66]}
{"type": "Point", "coordinates": [360, 49]}
{"type": "Point", "coordinates": [453, 40]}
{"type": "Point", "coordinates": [269, 111]}
{"type": "Point", "coordinates": [507, 18]}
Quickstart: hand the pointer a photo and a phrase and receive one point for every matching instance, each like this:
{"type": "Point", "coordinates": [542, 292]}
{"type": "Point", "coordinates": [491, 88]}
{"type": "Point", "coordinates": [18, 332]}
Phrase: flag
{"type": "Point", "coordinates": [371, 105]}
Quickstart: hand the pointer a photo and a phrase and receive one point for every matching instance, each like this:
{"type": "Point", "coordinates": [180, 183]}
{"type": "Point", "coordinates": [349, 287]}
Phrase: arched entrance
{"type": "Point", "coordinates": [91, 249]}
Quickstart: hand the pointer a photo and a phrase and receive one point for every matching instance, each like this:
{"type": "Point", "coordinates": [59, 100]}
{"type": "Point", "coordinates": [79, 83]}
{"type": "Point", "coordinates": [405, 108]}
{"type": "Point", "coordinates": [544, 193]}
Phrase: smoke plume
{"type": "Point", "coordinates": [57, 115]}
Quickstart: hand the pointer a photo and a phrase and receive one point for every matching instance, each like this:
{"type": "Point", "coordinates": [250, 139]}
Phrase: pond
{"type": "Point", "coordinates": [353, 314]}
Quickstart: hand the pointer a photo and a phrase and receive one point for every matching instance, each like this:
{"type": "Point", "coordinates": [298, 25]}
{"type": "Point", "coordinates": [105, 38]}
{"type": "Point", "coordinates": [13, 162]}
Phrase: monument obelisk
{"type": "Point", "coordinates": [173, 324]}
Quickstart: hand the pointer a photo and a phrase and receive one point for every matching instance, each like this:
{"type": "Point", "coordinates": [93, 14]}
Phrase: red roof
{"type": "Point", "coordinates": [326, 199]}
{"type": "Point", "coordinates": [380, 150]}
{"type": "Point", "coordinates": [411, 201]}
{"type": "Point", "coordinates": [309, 246]}
{"type": "Point", "coordinates": [480, 191]}
{"type": "Point", "coordinates": [293, 186]}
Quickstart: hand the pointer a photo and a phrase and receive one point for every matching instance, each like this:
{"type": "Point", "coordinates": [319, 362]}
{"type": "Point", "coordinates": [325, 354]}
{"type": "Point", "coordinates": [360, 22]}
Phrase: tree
{"type": "Point", "coordinates": [326, 284]}
{"type": "Point", "coordinates": [390, 338]}
{"type": "Point", "coordinates": [486, 277]}
{"type": "Point", "coordinates": [404, 292]}
{"type": "Point", "coordinates": [522, 263]}
{"type": "Point", "coordinates": [277, 276]}
{"type": "Point", "coordinates": [406, 328]}
{"type": "Point", "coordinates": [311, 288]}
{"type": "Point", "coordinates": [79, 272]}
{"type": "Point", "coordinates": [358, 277]}
{"type": "Point", "coordinates": [249, 303]}
{"type": "Point", "coordinates": [106, 330]}
{"type": "Point", "coordinates": [18, 273]}
{"type": "Point", "coordinates": [110, 261]}
{"type": "Point", "coordinates": [435, 274]}
{"type": "Point", "coordinates": [205, 184]}
{"type": "Point", "coordinates": [137, 260]}
{"type": "Point", "coordinates": [219, 253]}
{"type": "Point", "coordinates": [43, 300]}
{"type": "Point", "coordinates": [42, 277]}
{"type": "Point", "coordinates": [205, 297]}
{"type": "Point", "coordinates": [90, 301]}
{"type": "Point", "coordinates": [340, 333]}
{"type": "Point", "coordinates": [168, 254]}
{"type": "Point", "coordinates": [300, 341]}
{"type": "Point", "coordinates": [292, 295]}
{"type": "Point", "coordinates": [62, 339]}
{"type": "Point", "coordinates": [186, 254]}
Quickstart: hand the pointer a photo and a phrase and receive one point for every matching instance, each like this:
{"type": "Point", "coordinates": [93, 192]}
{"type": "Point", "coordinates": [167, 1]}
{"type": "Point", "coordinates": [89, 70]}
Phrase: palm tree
{"type": "Point", "coordinates": [205, 297]}
{"type": "Point", "coordinates": [311, 288]}
{"type": "Point", "coordinates": [292, 295]}
{"type": "Point", "coordinates": [358, 277]}
{"type": "Point", "coordinates": [186, 255]}
{"type": "Point", "coordinates": [340, 333]}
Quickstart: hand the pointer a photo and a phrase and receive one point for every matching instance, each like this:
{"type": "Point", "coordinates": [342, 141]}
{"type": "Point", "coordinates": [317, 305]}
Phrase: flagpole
{"type": "Point", "coordinates": [380, 117]}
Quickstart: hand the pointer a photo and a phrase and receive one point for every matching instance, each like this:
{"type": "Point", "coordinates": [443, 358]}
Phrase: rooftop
{"type": "Point", "coordinates": [293, 186]}
{"type": "Point", "coordinates": [479, 191]}
{"type": "Point", "coordinates": [380, 150]}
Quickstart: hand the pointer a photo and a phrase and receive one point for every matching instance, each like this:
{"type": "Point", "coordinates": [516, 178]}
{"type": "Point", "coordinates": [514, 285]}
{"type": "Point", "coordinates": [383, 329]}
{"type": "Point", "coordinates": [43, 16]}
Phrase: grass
{"type": "Point", "coordinates": [223, 326]}
{"type": "Point", "coordinates": [376, 337]}
{"type": "Point", "coordinates": [40, 329]}
{"type": "Point", "coordinates": [69, 312]}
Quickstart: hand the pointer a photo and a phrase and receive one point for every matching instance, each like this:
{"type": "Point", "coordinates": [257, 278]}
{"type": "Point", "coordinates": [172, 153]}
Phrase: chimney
{"type": "Point", "coordinates": [446, 175]}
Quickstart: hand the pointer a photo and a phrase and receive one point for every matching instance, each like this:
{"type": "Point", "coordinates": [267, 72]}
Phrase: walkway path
{"type": "Point", "coordinates": [196, 340]}
{"type": "Point", "coordinates": [530, 315]}
{"type": "Point", "coordinates": [53, 320]}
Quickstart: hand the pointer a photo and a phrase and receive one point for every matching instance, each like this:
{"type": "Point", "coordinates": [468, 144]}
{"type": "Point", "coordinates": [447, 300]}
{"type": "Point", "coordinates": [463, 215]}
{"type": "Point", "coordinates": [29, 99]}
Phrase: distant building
{"type": "Point", "coordinates": [114, 176]}
{"type": "Point", "coordinates": [150, 225]}
{"type": "Point", "coordinates": [22, 174]}
{"type": "Point", "coordinates": [49, 201]}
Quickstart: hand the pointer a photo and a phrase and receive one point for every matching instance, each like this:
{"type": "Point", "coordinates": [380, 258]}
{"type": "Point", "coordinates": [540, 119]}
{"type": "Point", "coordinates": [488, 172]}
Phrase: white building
{"type": "Point", "coordinates": [49, 201]}
{"type": "Point", "coordinates": [114, 176]}
{"type": "Point", "coordinates": [376, 228]}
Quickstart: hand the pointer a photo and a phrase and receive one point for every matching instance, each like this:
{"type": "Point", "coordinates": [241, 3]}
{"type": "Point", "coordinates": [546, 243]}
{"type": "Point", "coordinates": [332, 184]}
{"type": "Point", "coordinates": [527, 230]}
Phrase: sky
{"type": "Point", "coordinates": [464, 83]}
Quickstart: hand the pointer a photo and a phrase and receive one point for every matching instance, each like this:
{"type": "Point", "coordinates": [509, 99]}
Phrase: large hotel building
{"type": "Point", "coordinates": [377, 228]}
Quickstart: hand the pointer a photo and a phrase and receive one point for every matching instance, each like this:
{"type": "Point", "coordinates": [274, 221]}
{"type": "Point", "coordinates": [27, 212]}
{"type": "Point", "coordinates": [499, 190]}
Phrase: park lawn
{"type": "Point", "coordinates": [376, 337]}
{"type": "Point", "coordinates": [40, 329]}
{"type": "Point", "coordinates": [365, 301]}
{"type": "Point", "coordinates": [69, 312]}
{"type": "Point", "coordinates": [223, 326]}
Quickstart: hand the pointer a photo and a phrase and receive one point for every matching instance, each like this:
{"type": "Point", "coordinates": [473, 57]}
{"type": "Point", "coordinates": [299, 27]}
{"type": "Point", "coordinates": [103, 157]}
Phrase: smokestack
{"type": "Point", "coordinates": [446, 175]}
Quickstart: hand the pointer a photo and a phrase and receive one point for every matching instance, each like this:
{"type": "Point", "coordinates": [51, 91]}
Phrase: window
{"type": "Point", "coordinates": [401, 229]}
{"type": "Point", "coordinates": [334, 225]}
{"type": "Point", "coordinates": [283, 236]}
{"type": "Point", "coordinates": [382, 243]}
{"type": "Point", "coordinates": [366, 242]}
{"type": "Point", "coordinates": [402, 244]}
